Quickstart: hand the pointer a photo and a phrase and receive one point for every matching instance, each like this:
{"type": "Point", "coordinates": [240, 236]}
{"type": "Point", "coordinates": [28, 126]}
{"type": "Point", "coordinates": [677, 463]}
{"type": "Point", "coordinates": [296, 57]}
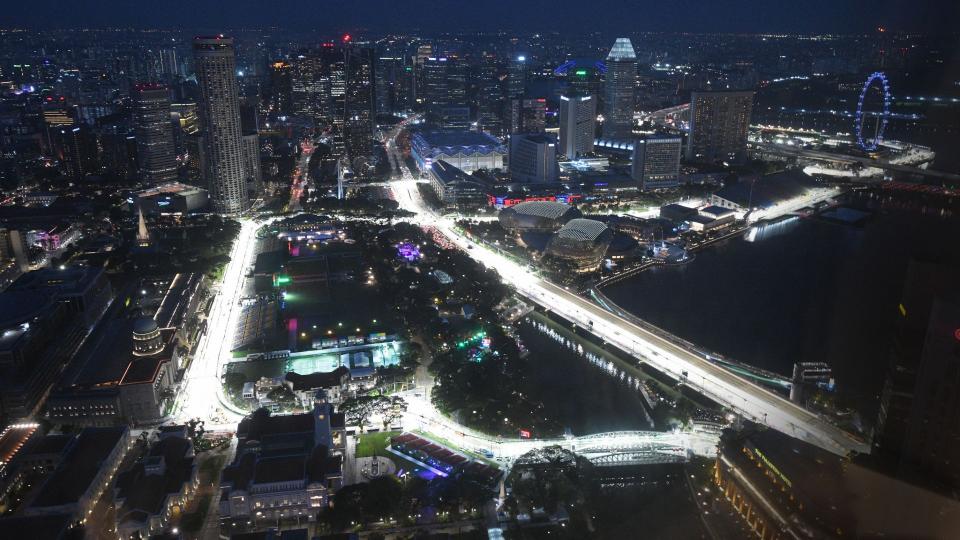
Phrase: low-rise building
{"type": "Point", "coordinates": [44, 317]}
{"type": "Point", "coordinates": [581, 244]}
{"type": "Point", "coordinates": [157, 487]}
{"type": "Point", "coordinates": [86, 468]}
{"type": "Point", "coordinates": [455, 188]}
{"type": "Point", "coordinates": [172, 198]}
{"type": "Point", "coordinates": [130, 383]}
{"type": "Point", "coordinates": [285, 466]}
{"type": "Point", "coordinates": [466, 150]}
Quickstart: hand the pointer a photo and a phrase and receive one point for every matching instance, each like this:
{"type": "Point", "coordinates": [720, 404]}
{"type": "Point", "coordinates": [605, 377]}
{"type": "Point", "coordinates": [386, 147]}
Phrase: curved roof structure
{"type": "Point", "coordinates": [537, 215]}
{"type": "Point", "coordinates": [584, 230]}
{"type": "Point", "coordinates": [145, 325]}
{"type": "Point", "coordinates": [582, 243]}
{"type": "Point", "coordinates": [437, 143]}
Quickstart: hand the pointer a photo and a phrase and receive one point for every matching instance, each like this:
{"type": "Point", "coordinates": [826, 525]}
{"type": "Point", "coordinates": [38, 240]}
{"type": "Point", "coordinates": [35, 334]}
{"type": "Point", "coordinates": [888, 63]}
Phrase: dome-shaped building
{"type": "Point", "coordinates": [146, 337]}
{"type": "Point", "coordinates": [536, 216]}
{"type": "Point", "coordinates": [581, 244]}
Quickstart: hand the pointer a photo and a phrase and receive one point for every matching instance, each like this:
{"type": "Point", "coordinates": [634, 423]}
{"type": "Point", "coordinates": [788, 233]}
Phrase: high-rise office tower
{"type": "Point", "coordinates": [578, 117]}
{"type": "Point", "coordinates": [281, 88]}
{"type": "Point", "coordinates": [918, 426]}
{"type": "Point", "coordinates": [718, 126]}
{"type": "Point", "coordinates": [359, 103]}
{"type": "Point", "coordinates": [252, 174]}
{"type": "Point", "coordinates": [533, 158]}
{"type": "Point", "coordinates": [390, 77]}
{"type": "Point", "coordinates": [619, 90]}
{"type": "Point", "coordinates": [656, 162]}
{"type": "Point", "coordinates": [215, 67]}
{"type": "Point", "coordinates": [154, 132]}
{"type": "Point", "coordinates": [167, 62]}
{"type": "Point", "coordinates": [517, 76]}
{"type": "Point", "coordinates": [76, 148]}
{"type": "Point", "coordinates": [308, 85]}
{"type": "Point", "coordinates": [528, 115]}
{"type": "Point", "coordinates": [444, 92]}
{"type": "Point", "coordinates": [489, 96]}
{"type": "Point", "coordinates": [443, 82]}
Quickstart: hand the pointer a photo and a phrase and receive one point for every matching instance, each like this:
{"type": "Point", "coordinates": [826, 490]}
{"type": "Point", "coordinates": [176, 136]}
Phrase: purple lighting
{"type": "Point", "coordinates": [409, 252]}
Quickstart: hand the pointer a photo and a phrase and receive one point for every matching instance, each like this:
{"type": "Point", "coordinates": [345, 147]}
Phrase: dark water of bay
{"type": "Point", "coordinates": [808, 291]}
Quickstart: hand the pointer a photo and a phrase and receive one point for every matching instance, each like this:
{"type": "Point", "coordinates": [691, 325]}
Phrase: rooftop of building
{"type": "Point", "coordinates": [61, 281]}
{"type": "Point", "coordinates": [584, 230]}
{"type": "Point", "coordinates": [143, 493]}
{"type": "Point", "coordinates": [544, 209]}
{"type": "Point", "coordinates": [80, 466]}
{"type": "Point", "coordinates": [447, 173]}
{"type": "Point", "coordinates": [279, 469]}
{"type": "Point", "coordinates": [766, 191]}
{"type": "Point", "coordinates": [622, 50]}
{"type": "Point", "coordinates": [536, 138]}
{"type": "Point", "coordinates": [13, 439]}
{"type": "Point", "coordinates": [317, 380]}
{"type": "Point", "coordinates": [19, 307]}
{"type": "Point", "coordinates": [47, 527]}
{"type": "Point", "coordinates": [436, 138]}
{"type": "Point", "coordinates": [46, 445]}
{"type": "Point", "coordinates": [176, 300]}
{"type": "Point", "coordinates": [259, 425]}
{"type": "Point", "coordinates": [171, 188]}
{"type": "Point", "coordinates": [110, 360]}
{"type": "Point", "coordinates": [715, 210]}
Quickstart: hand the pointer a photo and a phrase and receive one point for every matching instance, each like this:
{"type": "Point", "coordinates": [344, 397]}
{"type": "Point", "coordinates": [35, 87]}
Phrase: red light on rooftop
{"type": "Point", "coordinates": [346, 38]}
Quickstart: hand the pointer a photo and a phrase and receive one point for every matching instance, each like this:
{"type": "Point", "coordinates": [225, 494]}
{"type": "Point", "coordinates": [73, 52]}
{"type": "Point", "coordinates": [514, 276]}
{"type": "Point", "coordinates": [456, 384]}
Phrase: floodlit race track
{"type": "Point", "coordinates": [201, 392]}
{"type": "Point", "coordinates": [694, 370]}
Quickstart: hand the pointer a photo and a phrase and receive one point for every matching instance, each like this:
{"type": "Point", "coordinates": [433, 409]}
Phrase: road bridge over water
{"type": "Point", "coordinates": [659, 351]}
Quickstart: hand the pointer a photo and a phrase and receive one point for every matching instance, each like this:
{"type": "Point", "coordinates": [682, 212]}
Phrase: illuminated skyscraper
{"type": "Point", "coordinates": [154, 133]}
{"type": "Point", "coordinates": [309, 85]}
{"type": "Point", "coordinates": [215, 66]}
{"type": "Point", "coordinates": [533, 158]}
{"type": "Point", "coordinates": [578, 117]}
{"type": "Point", "coordinates": [718, 126]}
{"type": "Point", "coordinates": [656, 162]}
{"type": "Point", "coordinates": [281, 88]}
{"type": "Point", "coordinates": [489, 96]}
{"type": "Point", "coordinates": [517, 76]}
{"type": "Point", "coordinates": [359, 106]}
{"type": "Point", "coordinates": [619, 90]}
{"type": "Point", "coordinates": [528, 115]}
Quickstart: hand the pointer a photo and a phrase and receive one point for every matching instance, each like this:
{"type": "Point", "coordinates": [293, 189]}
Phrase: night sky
{"type": "Point", "coordinates": [457, 15]}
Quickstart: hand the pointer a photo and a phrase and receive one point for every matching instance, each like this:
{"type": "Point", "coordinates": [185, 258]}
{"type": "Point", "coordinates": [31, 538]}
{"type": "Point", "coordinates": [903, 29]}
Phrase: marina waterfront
{"type": "Point", "coordinates": [803, 290]}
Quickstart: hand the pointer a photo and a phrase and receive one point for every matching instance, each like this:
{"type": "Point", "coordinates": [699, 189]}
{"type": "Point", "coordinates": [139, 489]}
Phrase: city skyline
{"type": "Point", "coordinates": [387, 275]}
{"type": "Point", "coordinates": [815, 16]}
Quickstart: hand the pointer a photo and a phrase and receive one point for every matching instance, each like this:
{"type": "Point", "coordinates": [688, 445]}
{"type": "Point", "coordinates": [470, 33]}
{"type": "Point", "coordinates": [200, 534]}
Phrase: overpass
{"type": "Point", "coordinates": [648, 346]}
{"type": "Point", "coordinates": [613, 448]}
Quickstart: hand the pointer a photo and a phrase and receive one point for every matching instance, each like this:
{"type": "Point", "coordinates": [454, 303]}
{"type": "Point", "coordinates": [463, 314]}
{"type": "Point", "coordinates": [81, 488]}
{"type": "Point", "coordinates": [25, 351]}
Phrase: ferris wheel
{"type": "Point", "coordinates": [867, 141]}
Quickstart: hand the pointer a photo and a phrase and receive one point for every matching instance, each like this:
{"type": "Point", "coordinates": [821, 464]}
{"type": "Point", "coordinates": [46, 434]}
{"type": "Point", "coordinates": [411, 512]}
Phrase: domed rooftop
{"type": "Point", "coordinates": [582, 243]}
{"type": "Point", "coordinates": [585, 230]}
{"type": "Point", "coordinates": [145, 325]}
{"type": "Point", "coordinates": [537, 216]}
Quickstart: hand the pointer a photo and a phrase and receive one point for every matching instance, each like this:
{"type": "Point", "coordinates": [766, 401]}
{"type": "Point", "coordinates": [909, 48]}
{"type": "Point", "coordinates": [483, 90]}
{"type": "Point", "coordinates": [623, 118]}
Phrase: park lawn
{"type": "Point", "coordinates": [374, 444]}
